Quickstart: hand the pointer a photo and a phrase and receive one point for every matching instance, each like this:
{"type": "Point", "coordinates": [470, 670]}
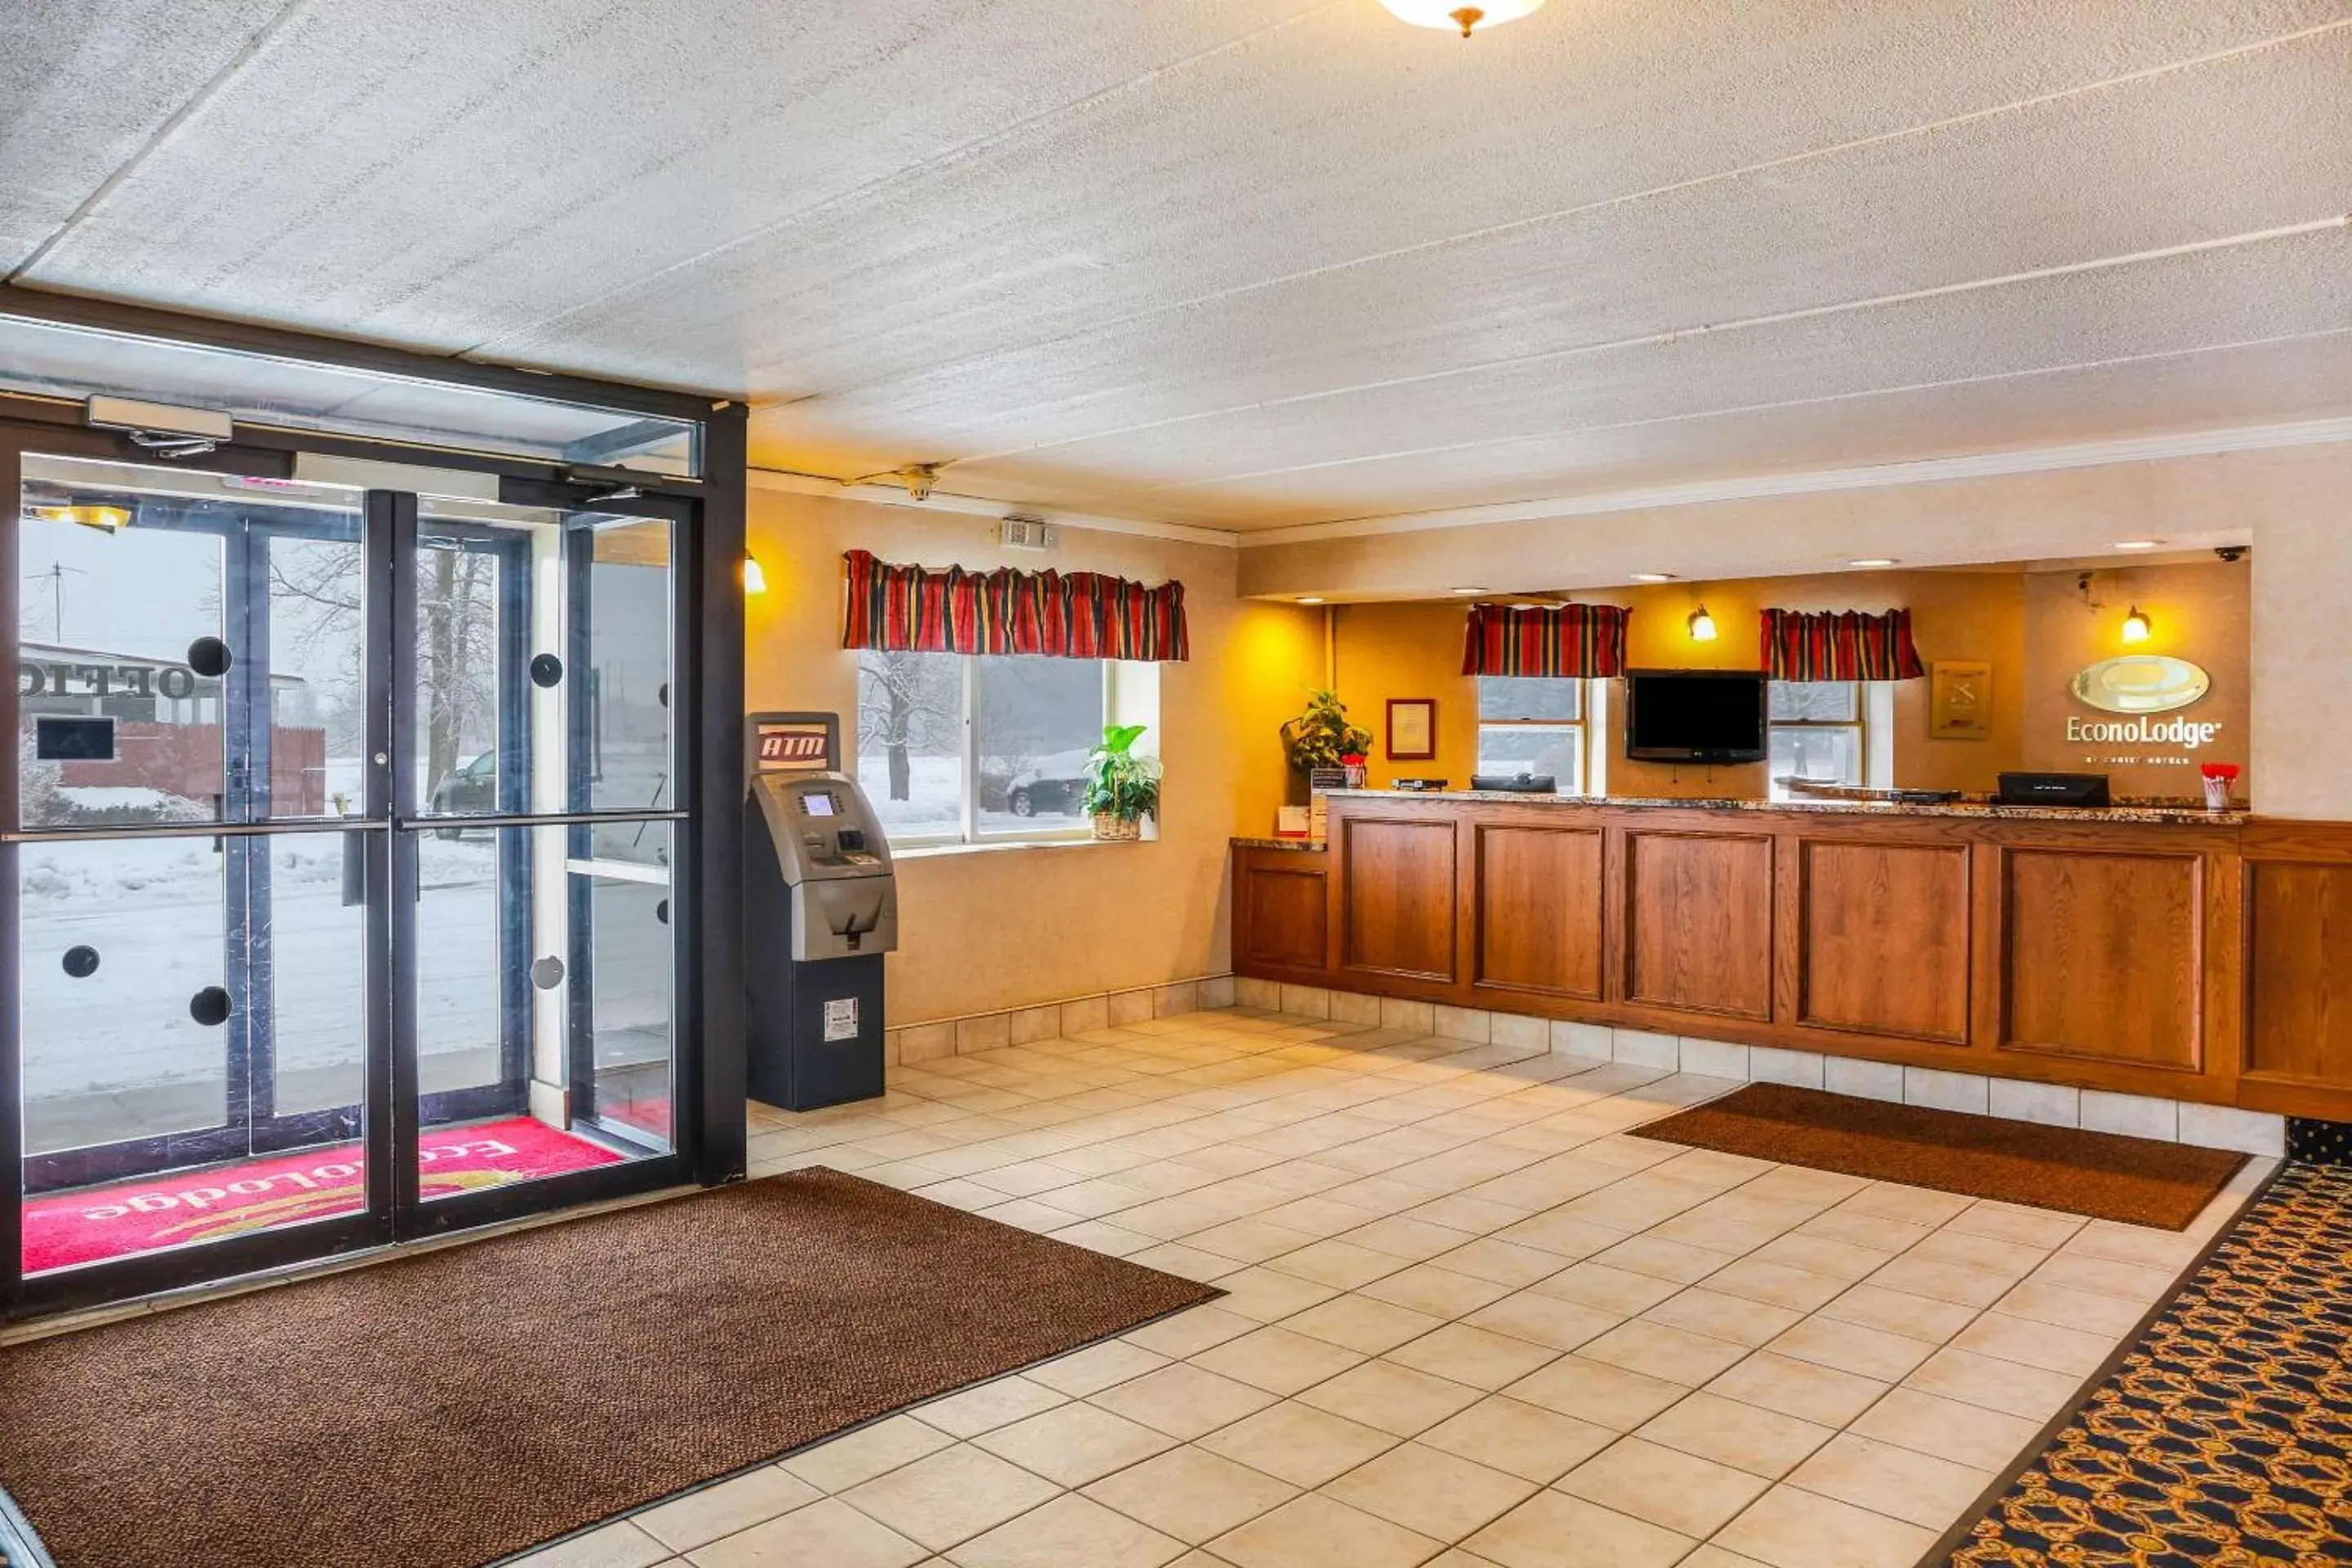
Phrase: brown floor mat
{"type": "Point", "coordinates": [445, 1410]}
{"type": "Point", "coordinates": [2136, 1180]}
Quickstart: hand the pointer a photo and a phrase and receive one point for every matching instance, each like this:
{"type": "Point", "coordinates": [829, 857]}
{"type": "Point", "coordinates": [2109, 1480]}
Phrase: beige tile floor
{"type": "Point", "coordinates": [1471, 1324]}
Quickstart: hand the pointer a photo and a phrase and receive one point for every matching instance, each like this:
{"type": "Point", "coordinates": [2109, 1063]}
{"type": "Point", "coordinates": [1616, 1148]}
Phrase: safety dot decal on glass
{"type": "Point", "coordinates": [209, 1006]}
{"type": "Point", "coordinates": [546, 669]}
{"type": "Point", "coordinates": [208, 657]}
{"type": "Point", "coordinates": [547, 973]}
{"type": "Point", "coordinates": [81, 963]}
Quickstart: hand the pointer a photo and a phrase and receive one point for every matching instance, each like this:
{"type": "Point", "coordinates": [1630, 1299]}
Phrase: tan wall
{"type": "Point", "coordinates": [2293, 504]}
{"type": "Point", "coordinates": [2301, 664]}
{"type": "Point", "coordinates": [993, 928]}
{"type": "Point", "coordinates": [2199, 612]}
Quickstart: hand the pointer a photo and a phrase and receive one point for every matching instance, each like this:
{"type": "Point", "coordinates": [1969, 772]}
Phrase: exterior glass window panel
{"type": "Point", "coordinates": [1815, 733]}
{"type": "Point", "coordinates": [1532, 724]}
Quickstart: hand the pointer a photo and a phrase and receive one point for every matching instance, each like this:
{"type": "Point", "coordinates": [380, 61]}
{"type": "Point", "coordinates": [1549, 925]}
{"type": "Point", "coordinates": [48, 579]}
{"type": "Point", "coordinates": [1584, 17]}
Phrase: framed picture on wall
{"type": "Point", "coordinates": [1960, 700]}
{"type": "Point", "coordinates": [1412, 729]}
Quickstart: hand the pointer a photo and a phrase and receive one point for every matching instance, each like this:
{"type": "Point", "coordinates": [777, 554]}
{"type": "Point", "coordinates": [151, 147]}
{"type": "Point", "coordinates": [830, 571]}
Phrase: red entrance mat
{"type": "Point", "coordinates": [148, 1215]}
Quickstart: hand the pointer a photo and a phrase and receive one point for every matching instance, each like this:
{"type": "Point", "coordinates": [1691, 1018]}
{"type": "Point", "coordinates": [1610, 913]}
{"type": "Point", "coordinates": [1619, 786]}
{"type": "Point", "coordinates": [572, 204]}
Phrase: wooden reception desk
{"type": "Point", "coordinates": [2187, 954]}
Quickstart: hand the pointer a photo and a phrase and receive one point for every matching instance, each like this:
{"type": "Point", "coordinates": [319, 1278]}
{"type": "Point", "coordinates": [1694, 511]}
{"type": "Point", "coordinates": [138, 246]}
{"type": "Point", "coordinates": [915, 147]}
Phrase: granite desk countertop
{"type": "Point", "coordinates": [2126, 811]}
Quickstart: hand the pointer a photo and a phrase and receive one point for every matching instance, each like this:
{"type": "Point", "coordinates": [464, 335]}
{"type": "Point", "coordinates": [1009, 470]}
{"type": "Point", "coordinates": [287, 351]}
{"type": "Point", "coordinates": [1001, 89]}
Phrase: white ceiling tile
{"type": "Point", "coordinates": [1242, 262]}
{"type": "Point", "coordinates": [2177, 159]}
{"type": "Point", "coordinates": [83, 87]}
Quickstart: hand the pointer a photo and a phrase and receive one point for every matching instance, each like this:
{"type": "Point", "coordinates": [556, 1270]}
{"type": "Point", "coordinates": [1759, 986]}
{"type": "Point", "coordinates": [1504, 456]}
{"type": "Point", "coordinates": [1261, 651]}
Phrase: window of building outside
{"type": "Point", "coordinates": [1533, 724]}
{"type": "Point", "coordinates": [960, 749]}
{"type": "Point", "coordinates": [1817, 732]}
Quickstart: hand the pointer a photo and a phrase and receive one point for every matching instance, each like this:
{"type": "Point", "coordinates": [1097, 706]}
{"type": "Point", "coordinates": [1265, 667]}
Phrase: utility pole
{"type": "Point", "coordinates": [56, 577]}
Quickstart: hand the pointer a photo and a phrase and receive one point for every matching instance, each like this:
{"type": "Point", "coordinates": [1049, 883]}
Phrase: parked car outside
{"type": "Point", "coordinates": [1055, 783]}
{"type": "Point", "coordinates": [472, 786]}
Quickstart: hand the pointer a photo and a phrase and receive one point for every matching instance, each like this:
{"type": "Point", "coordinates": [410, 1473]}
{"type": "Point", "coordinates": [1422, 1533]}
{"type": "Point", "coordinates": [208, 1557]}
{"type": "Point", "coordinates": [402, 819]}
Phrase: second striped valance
{"type": "Point", "coordinates": [1076, 615]}
{"type": "Point", "coordinates": [1577, 641]}
{"type": "Point", "coordinates": [1845, 644]}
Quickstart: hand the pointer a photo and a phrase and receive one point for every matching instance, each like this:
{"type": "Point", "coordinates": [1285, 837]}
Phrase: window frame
{"type": "Point", "coordinates": [969, 834]}
{"type": "Point", "coordinates": [1859, 724]}
{"type": "Point", "coordinates": [1582, 724]}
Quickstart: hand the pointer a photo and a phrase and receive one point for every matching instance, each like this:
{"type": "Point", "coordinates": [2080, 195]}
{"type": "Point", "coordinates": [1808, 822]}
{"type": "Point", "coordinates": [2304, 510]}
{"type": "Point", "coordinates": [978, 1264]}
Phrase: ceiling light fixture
{"type": "Point", "coordinates": [1453, 14]}
{"type": "Point", "coordinates": [1653, 576]}
{"type": "Point", "coordinates": [1868, 561]}
{"type": "Point", "coordinates": [2137, 544]}
{"type": "Point", "coordinates": [1308, 599]}
{"type": "Point", "coordinates": [1466, 590]}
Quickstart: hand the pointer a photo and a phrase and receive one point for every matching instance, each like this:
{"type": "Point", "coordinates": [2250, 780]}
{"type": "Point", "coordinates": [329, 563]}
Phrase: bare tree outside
{"type": "Point", "coordinates": [909, 703]}
{"type": "Point", "coordinates": [457, 635]}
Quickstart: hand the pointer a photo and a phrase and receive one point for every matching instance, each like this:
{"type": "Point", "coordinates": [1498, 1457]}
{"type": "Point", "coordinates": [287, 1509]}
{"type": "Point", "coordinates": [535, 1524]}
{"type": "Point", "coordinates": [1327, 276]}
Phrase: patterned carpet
{"type": "Point", "coordinates": [2224, 1439]}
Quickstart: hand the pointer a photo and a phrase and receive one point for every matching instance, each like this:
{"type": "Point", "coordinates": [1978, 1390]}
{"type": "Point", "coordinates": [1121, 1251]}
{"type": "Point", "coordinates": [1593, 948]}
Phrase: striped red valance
{"type": "Point", "coordinates": [1577, 641]}
{"type": "Point", "coordinates": [1077, 615]}
{"type": "Point", "coordinates": [1801, 645]}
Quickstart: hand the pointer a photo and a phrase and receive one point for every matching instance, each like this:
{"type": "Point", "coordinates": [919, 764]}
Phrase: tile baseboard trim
{"type": "Point", "coordinates": [967, 1032]}
{"type": "Point", "coordinates": [1974, 1094]}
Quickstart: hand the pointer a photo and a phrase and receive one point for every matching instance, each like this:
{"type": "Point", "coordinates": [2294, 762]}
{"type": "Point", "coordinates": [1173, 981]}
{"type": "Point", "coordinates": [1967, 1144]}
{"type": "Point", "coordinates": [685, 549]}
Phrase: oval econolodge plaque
{"type": "Point", "coordinates": [2141, 683]}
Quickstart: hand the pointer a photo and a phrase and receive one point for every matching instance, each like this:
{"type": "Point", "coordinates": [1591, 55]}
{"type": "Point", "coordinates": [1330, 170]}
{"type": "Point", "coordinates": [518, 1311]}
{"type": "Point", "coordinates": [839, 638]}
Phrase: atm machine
{"type": "Point", "coordinates": [820, 908]}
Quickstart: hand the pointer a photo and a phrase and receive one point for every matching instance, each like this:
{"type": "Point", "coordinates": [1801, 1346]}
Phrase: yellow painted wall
{"type": "Point", "coordinates": [1954, 615]}
{"type": "Point", "coordinates": [1001, 928]}
{"type": "Point", "coordinates": [1408, 650]}
{"type": "Point", "coordinates": [2292, 504]}
{"type": "Point", "coordinates": [1414, 649]}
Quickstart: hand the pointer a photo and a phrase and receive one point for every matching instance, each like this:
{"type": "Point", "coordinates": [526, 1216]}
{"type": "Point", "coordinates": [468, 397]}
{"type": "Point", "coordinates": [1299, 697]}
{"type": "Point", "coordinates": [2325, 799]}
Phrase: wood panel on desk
{"type": "Point", "coordinates": [2298, 954]}
{"type": "Point", "coordinates": [1698, 921]}
{"type": "Point", "coordinates": [1882, 938]}
{"type": "Point", "coordinates": [1397, 895]}
{"type": "Point", "coordinates": [2199, 960]}
{"type": "Point", "coordinates": [1279, 906]}
{"type": "Point", "coordinates": [1540, 922]}
{"type": "Point", "coordinates": [2103, 955]}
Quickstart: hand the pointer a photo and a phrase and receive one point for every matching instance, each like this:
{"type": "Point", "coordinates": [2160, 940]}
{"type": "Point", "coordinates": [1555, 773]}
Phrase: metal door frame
{"type": "Point", "coordinates": [708, 1134]}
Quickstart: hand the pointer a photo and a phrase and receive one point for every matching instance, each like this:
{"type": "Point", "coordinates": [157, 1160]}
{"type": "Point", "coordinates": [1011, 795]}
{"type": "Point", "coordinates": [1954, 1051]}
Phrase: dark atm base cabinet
{"type": "Point", "coordinates": [794, 1065]}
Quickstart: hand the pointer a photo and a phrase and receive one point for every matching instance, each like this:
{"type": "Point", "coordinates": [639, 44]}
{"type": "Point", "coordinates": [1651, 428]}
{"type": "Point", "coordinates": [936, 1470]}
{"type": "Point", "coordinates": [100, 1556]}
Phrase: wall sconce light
{"type": "Point", "coordinates": [754, 580]}
{"type": "Point", "coordinates": [1702, 626]}
{"type": "Point", "coordinates": [2136, 626]}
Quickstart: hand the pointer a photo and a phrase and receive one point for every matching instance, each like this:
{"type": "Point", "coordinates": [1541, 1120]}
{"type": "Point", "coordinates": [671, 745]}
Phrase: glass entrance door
{"type": "Point", "coordinates": [191, 944]}
{"type": "Point", "coordinates": [337, 895]}
{"type": "Point", "coordinates": [543, 791]}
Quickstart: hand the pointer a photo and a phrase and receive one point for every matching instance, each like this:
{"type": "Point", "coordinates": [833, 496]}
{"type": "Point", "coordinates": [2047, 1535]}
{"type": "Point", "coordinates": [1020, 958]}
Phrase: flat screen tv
{"type": "Point", "coordinates": [1695, 715]}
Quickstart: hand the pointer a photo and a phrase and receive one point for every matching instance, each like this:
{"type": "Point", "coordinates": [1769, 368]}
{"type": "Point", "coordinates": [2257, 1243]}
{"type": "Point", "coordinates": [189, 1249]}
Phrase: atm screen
{"type": "Point", "coordinates": [818, 805]}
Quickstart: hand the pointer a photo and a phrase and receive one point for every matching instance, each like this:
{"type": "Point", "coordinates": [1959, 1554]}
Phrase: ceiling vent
{"type": "Point", "coordinates": [1020, 532]}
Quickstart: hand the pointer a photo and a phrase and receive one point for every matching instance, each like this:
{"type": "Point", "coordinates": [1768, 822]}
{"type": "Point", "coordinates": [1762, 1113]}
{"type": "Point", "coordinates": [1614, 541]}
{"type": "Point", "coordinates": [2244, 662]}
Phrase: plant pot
{"type": "Point", "coordinates": [1121, 828]}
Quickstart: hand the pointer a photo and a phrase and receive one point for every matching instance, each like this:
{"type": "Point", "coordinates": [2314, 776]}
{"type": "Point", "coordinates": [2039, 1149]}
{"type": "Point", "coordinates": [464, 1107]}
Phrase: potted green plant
{"type": "Point", "coordinates": [1321, 737]}
{"type": "Point", "coordinates": [1122, 788]}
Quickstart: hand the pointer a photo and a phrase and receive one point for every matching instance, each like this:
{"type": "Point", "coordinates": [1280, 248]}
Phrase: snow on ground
{"type": "Point", "coordinates": [934, 806]}
{"type": "Point", "coordinates": [152, 910]}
